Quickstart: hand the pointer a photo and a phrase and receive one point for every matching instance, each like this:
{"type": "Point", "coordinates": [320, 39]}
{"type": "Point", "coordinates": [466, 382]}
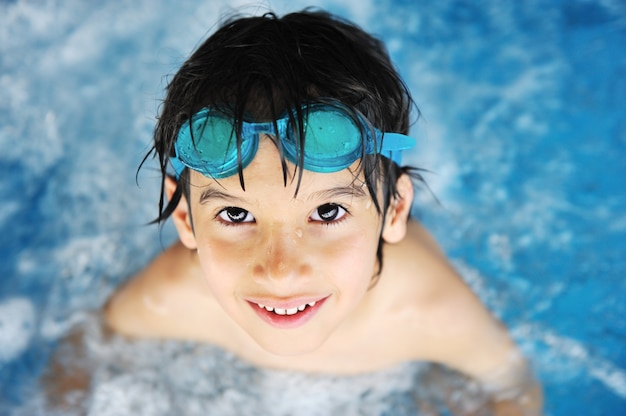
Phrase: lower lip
{"type": "Point", "coordinates": [287, 321]}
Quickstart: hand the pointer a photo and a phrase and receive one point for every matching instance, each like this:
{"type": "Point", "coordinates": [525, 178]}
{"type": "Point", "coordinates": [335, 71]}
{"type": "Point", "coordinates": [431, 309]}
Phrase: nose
{"type": "Point", "coordinates": [281, 255]}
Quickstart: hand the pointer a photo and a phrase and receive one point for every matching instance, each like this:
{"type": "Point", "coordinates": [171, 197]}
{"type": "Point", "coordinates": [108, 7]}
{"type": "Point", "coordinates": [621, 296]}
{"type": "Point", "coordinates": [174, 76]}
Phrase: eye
{"type": "Point", "coordinates": [235, 215]}
{"type": "Point", "coordinates": [328, 213]}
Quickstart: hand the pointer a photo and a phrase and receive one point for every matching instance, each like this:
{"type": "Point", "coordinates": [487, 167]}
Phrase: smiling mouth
{"type": "Point", "coordinates": [291, 311]}
{"type": "Point", "coordinates": [287, 318]}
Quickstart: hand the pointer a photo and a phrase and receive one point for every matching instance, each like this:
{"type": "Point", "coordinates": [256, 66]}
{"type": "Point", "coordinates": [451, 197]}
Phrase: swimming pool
{"type": "Point", "coordinates": [523, 127]}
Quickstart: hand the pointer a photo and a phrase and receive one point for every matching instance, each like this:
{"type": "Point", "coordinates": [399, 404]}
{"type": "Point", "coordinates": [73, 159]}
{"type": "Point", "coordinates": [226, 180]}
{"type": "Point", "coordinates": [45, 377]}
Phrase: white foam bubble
{"type": "Point", "coordinates": [144, 396]}
{"type": "Point", "coordinates": [17, 325]}
{"type": "Point", "coordinates": [574, 356]}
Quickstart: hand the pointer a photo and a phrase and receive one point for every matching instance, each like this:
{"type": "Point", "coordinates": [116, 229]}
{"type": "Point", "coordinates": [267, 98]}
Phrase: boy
{"type": "Point", "coordinates": [278, 143]}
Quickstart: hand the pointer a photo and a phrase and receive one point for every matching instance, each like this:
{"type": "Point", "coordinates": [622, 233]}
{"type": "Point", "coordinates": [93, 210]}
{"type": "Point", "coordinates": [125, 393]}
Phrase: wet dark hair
{"type": "Point", "coordinates": [260, 66]}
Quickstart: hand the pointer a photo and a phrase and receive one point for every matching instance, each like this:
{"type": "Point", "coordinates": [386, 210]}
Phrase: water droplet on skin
{"type": "Point", "coordinates": [156, 305]}
{"type": "Point", "coordinates": [299, 232]}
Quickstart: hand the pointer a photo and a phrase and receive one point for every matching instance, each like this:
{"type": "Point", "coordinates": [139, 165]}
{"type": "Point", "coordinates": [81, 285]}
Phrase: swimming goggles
{"type": "Point", "coordinates": [334, 140]}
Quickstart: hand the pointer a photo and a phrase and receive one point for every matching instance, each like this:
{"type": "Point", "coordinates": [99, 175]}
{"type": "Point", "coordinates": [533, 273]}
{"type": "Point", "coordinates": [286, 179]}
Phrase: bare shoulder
{"type": "Point", "coordinates": [162, 300]}
{"type": "Point", "coordinates": [419, 271]}
{"type": "Point", "coordinates": [437, 318]}
{"type": "Point", "coordinates": [443, 319]}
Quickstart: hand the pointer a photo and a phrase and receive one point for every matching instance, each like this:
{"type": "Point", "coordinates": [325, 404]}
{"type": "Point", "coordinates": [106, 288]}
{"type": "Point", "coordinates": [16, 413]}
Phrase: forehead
{"type": "Point", "coordinates": [269, 173]}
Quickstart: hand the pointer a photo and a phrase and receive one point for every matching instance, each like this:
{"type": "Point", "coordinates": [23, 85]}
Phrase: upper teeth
{"type": "Point", "coordinates": [291, 311]}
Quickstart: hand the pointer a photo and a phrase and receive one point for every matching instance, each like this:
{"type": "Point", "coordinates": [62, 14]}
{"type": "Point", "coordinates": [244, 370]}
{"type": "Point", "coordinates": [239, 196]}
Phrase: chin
{"type": "Point", "coordinates": [290, 346]}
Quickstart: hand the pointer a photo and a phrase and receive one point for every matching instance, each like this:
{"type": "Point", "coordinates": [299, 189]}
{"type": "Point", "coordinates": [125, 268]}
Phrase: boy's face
{"type": "Point", "coordinates": [263, 246]}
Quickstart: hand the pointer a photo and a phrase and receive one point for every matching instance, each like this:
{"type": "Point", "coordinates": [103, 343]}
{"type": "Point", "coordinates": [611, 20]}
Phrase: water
{"type": "Point", "coordinates": [524, 130]}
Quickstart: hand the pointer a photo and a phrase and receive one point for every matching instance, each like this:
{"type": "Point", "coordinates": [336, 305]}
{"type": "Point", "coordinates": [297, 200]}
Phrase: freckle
{"type": "Point", "coordinates": [299, 232]}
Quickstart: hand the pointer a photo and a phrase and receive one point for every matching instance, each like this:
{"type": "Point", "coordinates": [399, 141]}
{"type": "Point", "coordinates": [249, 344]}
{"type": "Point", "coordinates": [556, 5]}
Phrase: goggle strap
{"type": "Point", "coordinates": [396, 141]}
{"type": "Point", "coordinates": [395, 156]}
{"type": "Point", "coordinates": [177, 165]}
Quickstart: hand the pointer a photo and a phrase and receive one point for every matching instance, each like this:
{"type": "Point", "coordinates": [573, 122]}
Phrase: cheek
{"type": "Point", "coordinates": [356, 251]}
{"type": "Point", "coordinates": [220, 261]}
{"type": "Point", "coordinates": [351, 262]}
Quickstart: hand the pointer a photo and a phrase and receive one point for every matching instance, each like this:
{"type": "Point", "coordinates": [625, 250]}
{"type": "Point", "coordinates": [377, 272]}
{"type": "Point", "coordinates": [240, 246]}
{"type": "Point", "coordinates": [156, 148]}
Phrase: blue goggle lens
{"type": "Point", "coordinates": [207, 143]}
{"type": "Point", "coordinates": [333, 141]}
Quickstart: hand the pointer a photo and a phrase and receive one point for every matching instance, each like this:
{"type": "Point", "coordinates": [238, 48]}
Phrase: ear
{"type": "Point", "coordinates": [398, 211]}
{"type": "Point", "coordinates": [181, 216]}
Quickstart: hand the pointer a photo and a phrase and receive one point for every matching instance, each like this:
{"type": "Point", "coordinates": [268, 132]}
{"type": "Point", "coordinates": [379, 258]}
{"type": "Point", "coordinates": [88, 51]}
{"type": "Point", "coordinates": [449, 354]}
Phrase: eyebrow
{"type": "Point", "coordinates": [212, 193]}
{"type": "Point", "coordinates": [338, 192]}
